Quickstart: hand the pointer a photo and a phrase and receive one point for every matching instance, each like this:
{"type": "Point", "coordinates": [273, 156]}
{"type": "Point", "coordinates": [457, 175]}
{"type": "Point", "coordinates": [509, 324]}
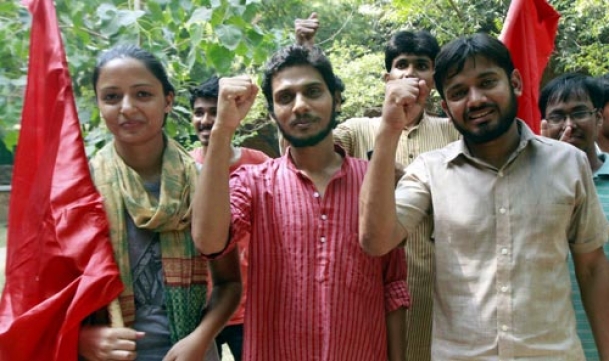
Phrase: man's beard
{"type": "Point", "coordinates": [486, 133]}
{"type": "Point", "coordinates": [298, 142]}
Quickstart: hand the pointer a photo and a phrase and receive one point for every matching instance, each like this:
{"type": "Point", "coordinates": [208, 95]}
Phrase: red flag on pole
{"type": "Point", "coordinates": [529, 31]}
{"type": "Point", "coordinates": [59, 265]}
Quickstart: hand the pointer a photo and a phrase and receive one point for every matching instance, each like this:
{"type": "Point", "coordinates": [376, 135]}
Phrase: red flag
{"type": "Point", "coordinates": [529, 31]}
{"type": "Point", "coordinates": [59, 265]}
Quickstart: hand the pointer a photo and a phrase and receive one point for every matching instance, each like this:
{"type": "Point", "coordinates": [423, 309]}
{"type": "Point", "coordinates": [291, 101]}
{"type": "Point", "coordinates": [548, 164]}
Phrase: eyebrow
{"type": "Point", "coordinates": [304, 85]}
{"type": "Point", "coordinates": [138, 85]}
{"type": "Point", "coordinates": [479, 76]}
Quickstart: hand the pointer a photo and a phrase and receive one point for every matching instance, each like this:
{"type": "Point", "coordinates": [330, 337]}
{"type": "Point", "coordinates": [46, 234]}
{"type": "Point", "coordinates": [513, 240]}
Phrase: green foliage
{"type": "Point", "coordinates": [582, 42]}
{"type": "Point", "coordinates": [362, 72]}
{"type": "Point", "coordinates": [583, 38]}
{"type": "Point", "coordinates": [448, 19]}
{"type": "Point", "coordinates": [194, 38]}
{"type": "Point", "coordinates": [13, 19]}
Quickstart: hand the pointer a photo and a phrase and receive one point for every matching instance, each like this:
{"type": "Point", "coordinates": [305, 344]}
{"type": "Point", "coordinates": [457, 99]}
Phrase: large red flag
{"type": "Point", "coordinates": [529, 31]}
{"type": "Point", "coordinates": [59, 265]}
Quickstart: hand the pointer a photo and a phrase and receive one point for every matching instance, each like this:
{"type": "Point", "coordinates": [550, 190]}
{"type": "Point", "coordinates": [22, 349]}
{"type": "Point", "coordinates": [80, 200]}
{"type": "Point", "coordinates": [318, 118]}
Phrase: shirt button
{"type": "Point", "coordinates": [500, 174]}
{"type": "Point", "coordinates": [323, 240]}
{"type": "Point", "coordinates": [410, 155]}
{"type": "Point", "coordinates": [504, 251]}
{"type": "Point", "coordinates": [504, 289]}
{"type": "Point", "coordinates": [502, 210]}
{"type": "Point", "coordinates": [505, 328]}
{"type": "Point", "coordinates": [316, 195]}
{"type": "Point", "coordinates": [324, 217]}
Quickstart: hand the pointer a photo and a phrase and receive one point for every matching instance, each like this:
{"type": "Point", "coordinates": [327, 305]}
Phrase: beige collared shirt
{"type": "Point", "coordinates": [501, 239]}
{"type": "Point", "coordinates": [357, 137]}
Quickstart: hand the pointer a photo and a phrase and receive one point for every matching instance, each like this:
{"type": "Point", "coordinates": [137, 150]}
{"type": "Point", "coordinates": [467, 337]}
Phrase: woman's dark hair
{"type": "Point", "coordinates": [131, 51]}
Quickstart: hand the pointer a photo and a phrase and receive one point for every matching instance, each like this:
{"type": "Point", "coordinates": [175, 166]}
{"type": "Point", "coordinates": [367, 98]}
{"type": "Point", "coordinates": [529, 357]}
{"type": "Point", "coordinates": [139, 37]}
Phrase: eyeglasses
{"type": "Point", "coordinates": [576, 117]}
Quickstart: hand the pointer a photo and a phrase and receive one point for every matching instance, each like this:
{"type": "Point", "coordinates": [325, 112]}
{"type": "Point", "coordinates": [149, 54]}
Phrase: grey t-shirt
{"type": "Point", "coordinates": [147, 272]}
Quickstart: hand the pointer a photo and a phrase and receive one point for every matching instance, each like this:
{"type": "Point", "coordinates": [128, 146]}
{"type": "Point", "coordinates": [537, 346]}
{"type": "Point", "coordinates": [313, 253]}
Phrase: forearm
{"type": "Point", "coordinates": [595, 296]}
{"type": "Point", "coordinates": [225, 295]}
{"type": "Point", "coordinates": [378, 228]}
{"type": "Point", "coordinates": [396, 330]}
{"type": "Point", "coordinates": [211, 205]}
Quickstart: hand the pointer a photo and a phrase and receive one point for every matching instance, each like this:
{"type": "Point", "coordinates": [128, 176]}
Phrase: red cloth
{"type": "Point", "coordinates": [59, 266]}
{"type": "Point", "coordinates": [529, 31]}
{"type": "Point", "coordinates": [313, 293]}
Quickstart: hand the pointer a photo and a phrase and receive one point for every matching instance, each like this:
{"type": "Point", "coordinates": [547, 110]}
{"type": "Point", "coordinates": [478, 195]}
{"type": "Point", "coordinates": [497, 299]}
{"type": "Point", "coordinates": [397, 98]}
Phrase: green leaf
{"type": "Point", "coordinates": [106, 11]}
{"type": "Point", "coordinates": [254, 37]}
{"type": "Point", "coordinates": [155, 9]}
{"type": "Point", "coordinates": [220, 57]}
{"type": "Point", "coordinates": [229, 36]}
{"type": "Point", "coordinates": [202, 15]}
{"type": "Point", "coordinates": [111, 27]}
{"type": "Point", "coordinates": [10, 138]}
{"type": "Point", "coordinates": [128, 17]}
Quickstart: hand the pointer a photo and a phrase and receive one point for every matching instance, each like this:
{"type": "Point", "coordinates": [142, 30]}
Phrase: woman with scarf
{"type": "Point", "coordinates": [147, 182]}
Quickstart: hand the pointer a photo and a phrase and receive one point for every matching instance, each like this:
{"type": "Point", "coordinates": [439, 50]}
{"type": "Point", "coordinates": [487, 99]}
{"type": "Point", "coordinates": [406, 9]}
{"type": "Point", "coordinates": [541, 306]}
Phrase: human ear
{"type": "Point", "coordinates": [516, 81]}
{"type": "Point", "coordinates": [169, 102]}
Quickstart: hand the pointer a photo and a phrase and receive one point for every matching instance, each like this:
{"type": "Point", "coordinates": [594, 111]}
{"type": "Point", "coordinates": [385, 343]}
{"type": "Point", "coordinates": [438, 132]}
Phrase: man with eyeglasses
{"type": "Point", "coordinates": [571, 106]}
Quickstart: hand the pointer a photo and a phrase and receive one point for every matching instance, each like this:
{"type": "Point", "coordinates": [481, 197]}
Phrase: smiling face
{"type": "Point", "coordinates": [481, 100]}
{"type": "Point", "coordinates": [203, 118]}
{"type": "Point", "coordinates": [583, 131]}
{"type": "Point", "coordinates": [303, 106]}
{"type": "Point", "coordinates": [131, 101]}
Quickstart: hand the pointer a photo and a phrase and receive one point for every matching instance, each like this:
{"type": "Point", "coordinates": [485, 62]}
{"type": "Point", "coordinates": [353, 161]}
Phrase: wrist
{"type": "Point", "coordinates": [221, 134]}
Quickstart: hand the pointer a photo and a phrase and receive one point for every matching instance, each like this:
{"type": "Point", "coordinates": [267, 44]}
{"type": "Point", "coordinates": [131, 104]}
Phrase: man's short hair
{"type": "Point", "coordinates": [420, 43]}
{"type": "Point", "coordinates": [603, 82]}
{"type": "Point", "coordinates": [208, 89]}
{"type": "Point", "coordinates": [340, 87]}
{"type": "Point", "coordinates": [296, 55]}
{"type": "Point", "coordinates": [570, 86]}
{"type": "Point", "coordinates": [452, 57]}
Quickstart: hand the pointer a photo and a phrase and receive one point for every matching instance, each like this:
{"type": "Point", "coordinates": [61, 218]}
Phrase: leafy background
{"type": "Point", "coordinates": [196, 38]}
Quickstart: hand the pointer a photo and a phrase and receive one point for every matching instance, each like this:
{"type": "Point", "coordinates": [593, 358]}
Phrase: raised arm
{"type": "Point", "coordinates": [379, 230]}
{"type": "Point", "coordinates": [211, 215]}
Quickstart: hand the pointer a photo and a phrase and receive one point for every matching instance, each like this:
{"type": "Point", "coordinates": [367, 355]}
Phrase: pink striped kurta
{"type": "Point", "coordinates": [313, 293]}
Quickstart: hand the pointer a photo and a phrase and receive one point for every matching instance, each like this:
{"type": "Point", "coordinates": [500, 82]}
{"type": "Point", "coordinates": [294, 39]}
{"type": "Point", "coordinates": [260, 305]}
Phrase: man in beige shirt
{"type": "Point", "coordinates": [407, 55]}
{"type": "Point", "coordinates": [507, 207]}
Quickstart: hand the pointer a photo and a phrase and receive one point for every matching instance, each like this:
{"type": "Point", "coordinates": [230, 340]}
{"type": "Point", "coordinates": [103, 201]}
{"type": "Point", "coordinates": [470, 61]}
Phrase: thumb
{"type": "Point", "coordinates": [424, 91]}
{"type": "Point", "coordinates": [544, 128]}
{"type": "Point", "coordinates": [313, 15]}
{"type": "Point", "coordinates": [566, 134]}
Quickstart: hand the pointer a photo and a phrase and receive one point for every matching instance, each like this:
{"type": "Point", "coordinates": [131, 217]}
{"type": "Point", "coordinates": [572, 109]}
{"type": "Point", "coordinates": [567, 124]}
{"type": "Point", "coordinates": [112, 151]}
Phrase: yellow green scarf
{"type": "Point", "coordinates": [184, 270]}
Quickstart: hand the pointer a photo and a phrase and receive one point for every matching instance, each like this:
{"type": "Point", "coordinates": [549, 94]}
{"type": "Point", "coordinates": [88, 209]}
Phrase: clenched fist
{"type": "Point", "coordinates": [235, 99]}
{"type": "Point", "coordinates": [404, 102]}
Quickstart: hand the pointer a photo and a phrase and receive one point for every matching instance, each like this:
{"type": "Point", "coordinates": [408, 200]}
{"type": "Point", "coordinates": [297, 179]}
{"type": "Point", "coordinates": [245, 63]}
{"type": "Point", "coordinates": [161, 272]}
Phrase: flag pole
{"type": "Point", "coordinates": [115, 314]}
